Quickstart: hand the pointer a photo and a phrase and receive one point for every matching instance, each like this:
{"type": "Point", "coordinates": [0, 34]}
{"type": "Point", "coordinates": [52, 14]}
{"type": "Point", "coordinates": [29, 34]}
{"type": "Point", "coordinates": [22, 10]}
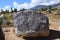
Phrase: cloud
{"type": "Point", "coordinates": [50, 2]}
{"type": "Point", "coordinates": [20, 6]}
{"type": "Point", "coordinates": [24, 5]}
{"type": "Point", "coordinates": [31, 4]}
{"type": "Point", "coordinates": [45, 2]}
{"type": "Point", "coordinates": [7, 8]}
{"type": "Point", "coordinates": [34, 3]}
{"type": "Point", "coordinates": [0, 9]}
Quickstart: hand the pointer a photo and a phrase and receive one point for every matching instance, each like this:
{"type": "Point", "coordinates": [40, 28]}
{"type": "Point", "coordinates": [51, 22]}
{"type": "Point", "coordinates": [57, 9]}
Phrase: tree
{"type": "Point", "coordinates": [22, 9]}
{"type": "Point", "coordinates": [15, 10]}
{"type": "Point", "coordinates": [11, 10]}
{"type": "Point", "coordinates": [2, 12]}
{"type": "Point", "coordinates": [50, 7]}
{"type": "Point", "coordinates": [7, 11]}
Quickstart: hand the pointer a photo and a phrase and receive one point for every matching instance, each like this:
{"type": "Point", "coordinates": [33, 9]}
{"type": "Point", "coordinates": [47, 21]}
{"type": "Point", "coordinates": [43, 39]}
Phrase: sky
{"type": "Point", "coordinates": [20, 4]}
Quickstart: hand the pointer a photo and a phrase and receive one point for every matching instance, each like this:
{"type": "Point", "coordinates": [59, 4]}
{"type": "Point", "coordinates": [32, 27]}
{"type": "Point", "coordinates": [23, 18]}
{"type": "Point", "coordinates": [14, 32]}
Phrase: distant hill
{"type": "Point", "coordinates": [57, 6]}
{"type": "Point", "coordinates": [38, 7]}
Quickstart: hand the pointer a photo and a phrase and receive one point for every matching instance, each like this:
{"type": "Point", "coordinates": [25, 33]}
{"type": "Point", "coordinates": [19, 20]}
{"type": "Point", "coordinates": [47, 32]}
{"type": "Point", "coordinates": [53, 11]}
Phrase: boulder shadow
{"type": "Point", "coordinates": [53, 35]}
{"type": "Point", "coordinates": [2, 36]}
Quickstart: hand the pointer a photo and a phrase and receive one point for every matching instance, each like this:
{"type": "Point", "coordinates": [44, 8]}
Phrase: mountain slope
{"type": "Point", "coordinates": [38, 7]}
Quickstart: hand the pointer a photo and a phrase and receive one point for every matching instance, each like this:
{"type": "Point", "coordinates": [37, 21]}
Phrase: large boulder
{"type": "Point", "coordinates": [29, 23]}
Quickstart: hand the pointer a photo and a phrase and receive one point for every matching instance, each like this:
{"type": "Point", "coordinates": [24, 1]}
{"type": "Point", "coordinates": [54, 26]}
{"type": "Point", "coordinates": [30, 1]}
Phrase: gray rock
{"type": "Point", "coordinates": [1, 20]}
{"type": "Point", "coordinates": [6, 23]}
{"type": "Point", "coordinates": [28, 22]}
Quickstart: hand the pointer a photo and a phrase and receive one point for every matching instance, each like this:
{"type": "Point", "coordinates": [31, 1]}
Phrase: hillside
{"type": "Point", "coordinates": [38, 7]}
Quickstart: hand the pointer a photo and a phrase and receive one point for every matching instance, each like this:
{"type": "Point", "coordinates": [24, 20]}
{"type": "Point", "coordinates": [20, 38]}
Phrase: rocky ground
{"type": "Point", "coordinates": [54, 32]}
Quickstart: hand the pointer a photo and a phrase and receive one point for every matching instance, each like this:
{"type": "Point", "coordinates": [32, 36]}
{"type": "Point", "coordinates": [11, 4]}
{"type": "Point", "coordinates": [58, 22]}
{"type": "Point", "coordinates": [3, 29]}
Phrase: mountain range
{"type": "Point", "coordinates": [38, 7]}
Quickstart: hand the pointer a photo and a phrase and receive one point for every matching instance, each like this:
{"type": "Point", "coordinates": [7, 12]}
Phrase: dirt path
{"type": "Point", "coordinates": [10, 35]}
{"type": "Point", "coordinates": [54, 24]}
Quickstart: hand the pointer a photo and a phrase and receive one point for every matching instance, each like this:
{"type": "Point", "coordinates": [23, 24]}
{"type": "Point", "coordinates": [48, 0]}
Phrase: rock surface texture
{"type": "Point", "coordinates": [28, 22]}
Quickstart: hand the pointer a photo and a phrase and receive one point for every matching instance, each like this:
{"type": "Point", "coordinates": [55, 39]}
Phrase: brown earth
{"type": "Point", "coordinates": [54, 32]}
